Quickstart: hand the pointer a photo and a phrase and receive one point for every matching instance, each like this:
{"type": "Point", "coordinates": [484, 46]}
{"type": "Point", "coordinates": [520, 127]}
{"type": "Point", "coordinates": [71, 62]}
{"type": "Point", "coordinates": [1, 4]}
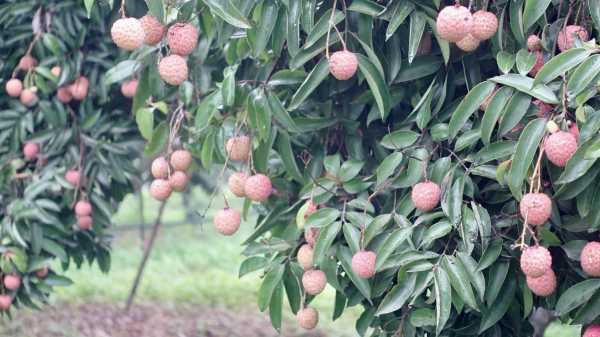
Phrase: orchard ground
{"type": "Point", "coordinates": [190, 287]}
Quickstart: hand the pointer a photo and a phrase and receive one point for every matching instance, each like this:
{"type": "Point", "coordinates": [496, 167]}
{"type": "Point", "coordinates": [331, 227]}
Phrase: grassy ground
{"type": "Point", "coordinates": [190, 265]}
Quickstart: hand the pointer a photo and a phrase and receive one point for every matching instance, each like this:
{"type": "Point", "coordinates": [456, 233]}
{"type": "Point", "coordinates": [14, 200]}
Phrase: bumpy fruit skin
{"type": "Point", "coordinates": [127, 33]}
{"type": "Point", "coordinates": [343, 64]}
{"type": "Point", "coordinates": [426, 195]}
{"type": "Point", "coordinates": [544, 285]}
{"type": "Point", "coordinates": [544, 109]}
{"type": "Point", "coordinates": [79, 88]}
{"type": "Point", "coordinates": [160, 189]}
{"type": "Point", "coordinates": [534, 43]}
{"type": "Point", "coordinates": [28, 97]}
{"type": "Point", "coordinates": [178, 181]}
{"type": "Point", "coordinates": [227, 221]}
{"type": "Point", "coordinates": [182, 38]}
{"type": "Point", "coordinates": [305, 256]}
{"type": "Point", "coordinates": [129, 88]}
{"type": "Point", "coordinates": [85, 222]}
{"type": "Point", "coordinates": [153, 29]}
{"type": "Point", "coordinates": [307, 318]}
{"type": "Point", "coordinates": [363, 263]}
{"type": "Point", "coordinates": [536, 261]}
{"type": "Point", "coordinates": [14, 86]}
{"type": "Point", "coordinates": [539, 63]}
{"type": "Point", "coordinates": [425, 44]}
{"type": "Point", "coordinates": [311, 235]}
{"type": "Point", "coordinates": [314, 281]}
{"type": "Point", "coordinates": [592, 331]}
{"type": "Point", "coordinates": [454, 23]}
{"type": "Point", "coordinates": [30, 151]}
{"type": "Point", "coordinates": [238, 148]}
{"type": "Point", "coordinates": [536, 208]}
{"type": "Point", "coordinates": [566, 37]}
{"type": "Point", "coordinates": [236, 183]}
{"type": "Point", "coordinates": [560, 147]}
{"type": "Point", "coordinates": [73, 177]}
{"type": "Point", "coordinates": [159, 168]}
{"type": "Point", "coordinates": [83, 208]}
{"type": "Point", "coordinates": [12, 282]}
{"type": "Point", "coordinates": [485, 25]}
{"type": "Point", "coordinates": [173, 69]}
{"type": "Point", "coordinates": [469, 43]}
{"type": "Point", "coordinates": [5, 302]}
{"type": "Point", "coordinates": [64, 95]}
{"type": "Point", "coordinates": [27, 63]}
{"type": "Point", "coordinates": [590, 259]}
{"type": "Point", "coordinates": [55, 71]}
{"type": "Point", "coordinates": [181, 160]}
{"type": "Point", "coordinates": [258, 187]}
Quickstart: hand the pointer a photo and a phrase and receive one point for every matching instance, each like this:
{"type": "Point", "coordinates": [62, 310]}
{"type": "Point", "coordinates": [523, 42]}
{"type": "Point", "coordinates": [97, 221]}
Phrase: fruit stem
{"type": "Point", "coordinates": [330, 23]}
{"type": "Point", "coordinates": [122, 9]}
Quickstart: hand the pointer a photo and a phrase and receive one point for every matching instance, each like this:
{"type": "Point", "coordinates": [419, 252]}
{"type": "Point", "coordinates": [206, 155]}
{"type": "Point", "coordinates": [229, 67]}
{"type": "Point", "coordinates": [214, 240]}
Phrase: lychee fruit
{"type": "Point", "coordinates": [55, 71]}
{"type": "Point", "coordinates": [12, 282]}
{"type": "Point", "coordinates": [314, 281]}
{"type": "Point", "coordinates": [305, 257]}
{"type": "Point", "coordinates": [30, 151]}
{"type": "Point", "coordinates": [5, 302]}
{"type": "Point", "coordinates": [343, 64]}
{"type": "Point", "coordinates": [307, 318]}
{"type": "Point", "coordinates": [178, 181]}
{"type": "Point", "coordinates": [227, 221]}
{"type": "Point", "coordinates": [468, 43]}
{"type": "Point", "coordinates": [173, 69]}
{"type": "Point", "coordinates": [28, 97]}
{"type": "Point", "coordinates": [454, 23]}
{"type": "Point", "coordinates": [182, 38]}
{"type": "Point", "coordinates": [127, 33]}
{"type": "Point", "coordinates": [27, 63]}
{"type": "Point", "coordinates": [14, 86]}
{"type": "Point", "coordinates": [485, 25]}
{"type": "Point", "coordinates": [535, 261]}
{"type": "Point", "coordinates": [85, 222]}
{"type": "Point", "coordinates": [363, 263]}
{"type": "Point", "coordinates": [42, 272]}
{"type": "Point", "coordinates": [534, 43]}
{"type": "Point", "coordinates": [544, 285]}
{"type": "Point", "coordinates": [129, 88]}
{"type": "Point", "coordinates": [160, 189]}
{"type": "Point", "coordinates": [79, 88]}
{"type": "Point", "coordinates": [560, 147]}
{"type": "Point", "coordinates": [566, 37]}
{"type": "Point", "coordinates": [544, 108]}
{"type": "Point", "coordinates": [536, 208]}
{"type": "Point", "coordinates": [83, 208]}
{"type": "Point", "coordinates": [153, 29]}
{"type": "Point", "coordinates": [64, 95]}
{"type": "Point", "coordinates": [159, 168]}
{"type": "Point", "coordinates": [426, 195]}
{"type": "Point", "coordinates": [181, 160]}
{"type": "Point", "coordinates": [258, 187]}
{"type": "Point", "coordinates": [238, 148]}
{"type": "Point", "coordinates": [236, 183]}
{"type": "Point", "coordinates": [73, 177]}
{"type": "Point", "coordinates": [590, 259]}
{"type": "Point", "coordinates": [311, 235]}
{"type": "Point", "coordinates": [592, 331]}
{"type": "Point", "coordinates": [425, 44]}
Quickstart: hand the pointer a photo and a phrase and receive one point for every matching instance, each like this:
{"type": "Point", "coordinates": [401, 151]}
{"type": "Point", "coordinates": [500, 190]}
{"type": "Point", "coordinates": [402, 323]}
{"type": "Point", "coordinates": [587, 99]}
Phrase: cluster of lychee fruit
{"type": "Point", "coordinates": [76, 90]}
{"type": "Point", "coordinates": [170, 175]}
{"type": "Point", "coordinates": [10, 282]}
{"type": "Point", "coordinates": [456, 24]}
{"type": "Point", "coordinates": [182, 38]}
{"type": "Point", "coordinates": [565, 41]}
{"type": "Point", "coordinates": [14, 87]}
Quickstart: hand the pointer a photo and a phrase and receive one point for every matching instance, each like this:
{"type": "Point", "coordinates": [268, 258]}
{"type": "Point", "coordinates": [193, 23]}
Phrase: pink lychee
{"type": "Point", "coordinates": [181, 160]}
{"type": "Point", "coordinates": [79, 88]}
{"type": "Point", "coordinates": [128, 88]}
{"type": "Point", "coordinates": [178, 181]}
{"type": "Point", "coordinates": [534, 43]}
{"type": "Point", "coordinates": [159, 168]}
{"type": "Point", "coordinates": [127, 33]}
{"type": "Point", "coordinates": [27, 63]}
{"type": "Point", "coordinates": [305, 256]}
{"type": "Point", "coordinates": [469, 43]}
{"type": "Point", "coordinates": [566, 37]}
{"type": "Point", "coordinates": [590, 259]}
{"type": "Point", "coordinates": [544, 285]}
{"type": "Point", "coordinates": [73, 177]}
{"type": "Point", "coordinates": [560, 147]}
{"type": "Point", "coordinates": [236, 183]}
{"type": "Point", "coordinates": [535, 261]}
{"type": "Point", "coordinates": [14, 86]}
{"type": "Point", "coordinates": [173, 69]}
{"type": "Point", "coordinates": [314, 281]}
{"type": "Point", "coordinates": [83, 208]}
{"type": "Point", "coordinates": [311, 235]}
{"type": "Point", "coordinates": [426, 195]}
{"type": "Point", "coordinates": [182, 38]}
{"type": "Point", "coordinates": [5, 302]}
{"type": "Point", "coordinates": [28, 97]}
{"type": "Point", "coordinates": [307, 318]}
{"type": "Point", "coordinates": [454, 23]}
{"type": "Point", "coordinates": [227, 221]}
{"type": "Point", "coordinates": [238, 148]}
{"type": "Point", "coordinates": [85, 222]}
{"type": "Point", "coordinates": [592, 331]}
{"type": "Point", "coordinates": [153, 29]}
{"type": "Point", "coordinates": [363, 263]}
{"type": "Point", "coordinates": [12, 282]}
{"type": "Point", "coordinates": [536, 208]}
{"type": "Point", "coordinates": [343, 64]}
{"type": "Point", "coordinates": [160, 189]}
{"type": "Point", "coordinates": [63, 94]}
{"type": "Point", "coordinates": [258, 187]}
{"type": "Point", "coordinates": [30, 151]}
{"type": "Point", "coordinates": [485, 25]}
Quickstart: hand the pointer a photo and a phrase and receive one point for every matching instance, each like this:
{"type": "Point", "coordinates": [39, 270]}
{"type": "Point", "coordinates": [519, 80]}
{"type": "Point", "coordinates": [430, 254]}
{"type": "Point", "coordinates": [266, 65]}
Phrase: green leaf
{"type": "Point", "coordinates": [560, 64]}
{"type": "Point", "coordinates": [594, 10]}
{"type": "Point", "coordinates": [121, 71]}
{"type": "Point", "coordinates": [89, 4]}
{"type": "Point", "coordinates": [525, 61]}
{"type": "Point", "coordinates": [292, 289]}
{"type": "Point", "coordinates": [155, 7]}
{"type": "Point", "coordinates": [399, 139]}
{"type": "Point", "coordinates": [493, 112]}
{"type": "Point", "coordinates": [321, 27]}
{"type": "Point", "coordinates": [401, 11]}
{"type": "Point", "coordinates": [417, 27]}
{"type": "Point", "coordinates": [350, 169]}
{"type": "Point", "coordinates": [506, 61]}
{"type": "Point", "coordinates": [322, 217]}
{"type": "Point", "coordinates": [314, 78]}
{"type": "Point", "coordinates": [577, 295]}
{"type": "Point", "coordinates": [527, 146]}
{"type": "Point", "coordinates": [268, 19]}
{"type": "Point", "coordinates": [284, 148]}
{"type": "Point", "coordinates": [228, 87]}
{"type": "Point", "coordinates": [468, 106]}
{"type": "Point", "coordinates": [457, 275]}
{"type": "Point", "coordinates": [158, 141]}
{"type": "Point", "coordinates": [326, 236]}
{"type": "Point", "coordinates": [271, 281]}
{"type": "Point", "coordinates": [379, 88]}
{"type": "Point", "coordinates": [557, 329]}
{"type": "Point", "coordinates": [280, 114]}
{"type": "Point", "coordinates": [496, 277]}
{"type": "Point", "coordinates": [578, 165]}
{"type": "Point", "coordinates": [443, 299]}
{"type": "Point", "coordinates": [276, 307]}
{"type": "Point", "coordinates": [514, 112]}
{"type": "Point", "coordinates": [583, 75]}
{"type": "Point", "coordinates": [534, 9]}
{"type": "Point", "coordinates": [391, 243]}
{"type": "Point", "coordinates": [496, 311]}
{"type": "Point", "coordinates": [388, 166]}
{"type": "Point", "coordinates": [252, 264]}
{"type": "Point", "coordinates": [228, 12]}
{"type": "Point", "coordinates": [145, 121]}
{"type": "Point", "coordinates": [490, 255]}
{"type": "Point", "coordinates": [367, 7]}
{"type": "Point", "coordinates": [397, 296]}
{"type": "Point", "coordinates": [525, 84]}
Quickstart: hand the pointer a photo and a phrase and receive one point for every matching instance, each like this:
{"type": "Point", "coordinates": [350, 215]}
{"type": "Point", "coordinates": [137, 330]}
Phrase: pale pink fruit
{"type": "Point", "coordinates": [153, 29]}
{"type": "Point", "coordinates": [28, 97]}
{"type": "Point", "coordinates": [539, 63]}
{"type": "Point", "coordinates": [566, 37]}
{"type": "Point", "coordinates": [127, 33]}
{"type": "Point", "coordinates": [79, 88]}
{"type": "Point", "coordinates": [454, 23]}
{"type": "Point", "coordinates": [485, 25]}
{"type": "Point", "coordinates": [5, 302]}
{"type": "Point", "coordinates": [535, 261]}
{"type": "Point", "coordinates": [129, 88]}
{"type": "Point", "coordinates": [534, 43]}
{"type": "Point", "coordinates": [236, 183]}
{"type": "Point", "coordinates": [27, 63]}
{"type": "Point", "coordinates": [590, 259]}
{"type": "Point", "coordinates": [314, 281]}
{"type": "Point", "coordinates": [14, 86]}
{"type": "Point", "coordinates": [64, 95]}
{"type": "Point", "coordinates": [592, 331]}
{"type": "Point", "coordinates": [227, 221]}
{"type": "Point", "coordinates": [311, 235]}
{"type": "Point", "coordinates": [305, 257]}
{"type": "Point", "coordinates": [363, 263]}
{"type": "Point", "coordinates": [159, 168]}
{"type": "Point", "coordinates": [182, 38]}
{"type": "Point", "coordinates": [85, 222]}
{"type": "Point", "coordinates": [83, 208]}
{"type": "Point", "coordinates": [173, 69]}
{"type": "Point", "coordinates": [343, 64]}
{"type": "Point", "coordinates": [468, 43]}
{"type": "Point", "coordinates": [55, 71]}
{"type": "Point", "coordinates": [181, 160]}
{"type": "Point", "coordinates": [426, 195]}
{"type": "Point", "coordinates": [73, 177]}
{"type": "Point", "coordinates": [12, 282]}
{"type": "Point", "coordinates": [30, 151]}
{"type": "Point", "coordinates": [536, 208]}
{"type": "Point", "coordinates": [544, 285]}
{"type": "Point", "coordinates": [238, 148]}
{"type": "Point", "coordinates": [560, 147]}
{"type": "Point", "coordinates": [307, 318]}
{"type": "Point", "coordinates": [258, 187]}
{"type": "Point", "coordinates": [160, 189]}
{"type": "Point", "coordinates": [178, 181]}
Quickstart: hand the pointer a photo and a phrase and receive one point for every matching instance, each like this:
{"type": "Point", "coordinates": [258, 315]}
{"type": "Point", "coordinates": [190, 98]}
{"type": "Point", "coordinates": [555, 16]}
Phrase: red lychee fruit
{"type": "Point", "coordinates": [127, 33]}
{"type": "Point", "coordinates": [30, 151]}
{"type": "Point", "coordinates": [468, 43]}
{"type": "Point", "coordinates": [160, 189]}
{"type": "Point", "coordinates": [534, 43]}
{"type": "Point", "coordinates": [27, 63]}
{"type": "Point", "coordinates": [485, 25]}
{"type": "Point", "coordinates": [181, 160]}
{"type": "Point", "coordinates": [454, 23]}
{"type": "Point", "coordinates": [544, 285]}
{"type": "Point", "coordinates": [85, 222]}
{"type": "Point", "coordinates": [64, 95]}
{"type": "Point", "coordinates": [425, 44]}
{"type": "Point", "coordinates": [307, 318]}
{"type": "Point", "coordinates": [227, 221]}
{"type": "Point", "coordinates": [343, 64]}
{"type": "Point", "coordinates": [42, 272]}
{"type": "Point", "coordinates": [79, 88]}
{"type": "Point", "coordinates": [592, 331]}
{"type": "Point", "coordinates": [363, 263]}
{"type": "Point", "coordinates": [536, 208]}
{"type": "Point", "coordinates": [590, 259]}
{"type": "Point", "coordinates": [236, 183]}
{"type": "Point", "coordinates": [305, 257]}
{"type": "Point", "coordinates": [28, 97]}
{"type": "Point", "coordinates": [14, 86]}
{"type": "Point", "coordinates": [544, 109]}
{"type": "Point", "coordinates": [574, 130]}
{"type": "Point", "coordinates": [311, 235]}
{"type": "Point", "coordinates": [129, 88]}
{"type": "Point", "coordinates": [539, 63]}
{"type": "Point", "coordinates": [12, 282]}
{"type": "Point", "coordinates": [238, 148]}
{"type": "Point", "coordinates": [5, 302]}
{"type": "Point", "coordinates": [566, 37]}
{"type": "Point", "coordinates": [83, 208]}
{"type": "Point", "coordinates": [55, 71]}
{"type": "Point", "coordinates": [178, 181]}
{"type": "Point", "coordinates": [153, 29]}
{"type": "Point", "coordinates": [314, 281]}
{"type": "Point", "coordinates": [535, 261]}
{"type": "Point", "coordinates": [73, 177]}
{"type": "Point", "coordinates": [426, 195]}
{"type": "Point", "coordinates": [182, 38]}
{"type": "Point", "coordinates": [173, 69]}
{"type": "Point", "coordinates": [560, 147]}
{"type": "Point", "coordinates": [159, 168]}
{"type": "Point", "coordinates": [258, 187]}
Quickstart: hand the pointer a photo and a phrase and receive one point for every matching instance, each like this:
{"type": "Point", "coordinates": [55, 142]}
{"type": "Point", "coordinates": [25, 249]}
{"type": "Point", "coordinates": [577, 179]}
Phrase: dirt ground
{"type": "Point", "coordinates": [147, 320]}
